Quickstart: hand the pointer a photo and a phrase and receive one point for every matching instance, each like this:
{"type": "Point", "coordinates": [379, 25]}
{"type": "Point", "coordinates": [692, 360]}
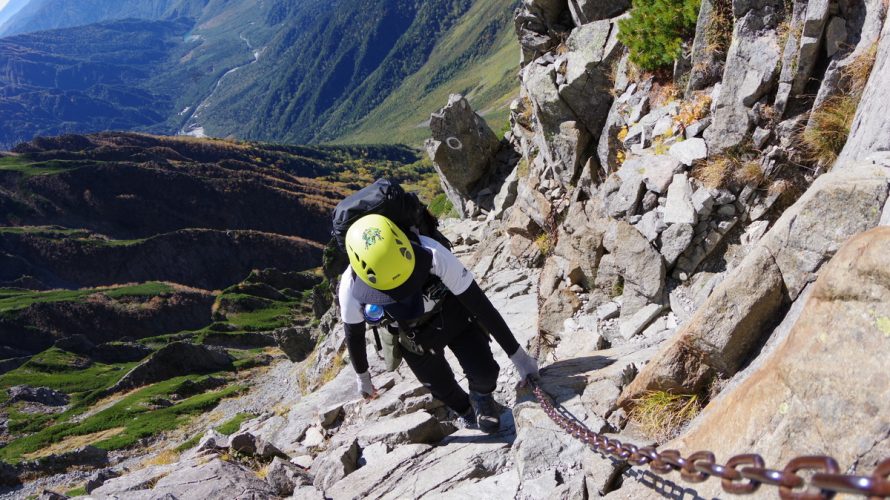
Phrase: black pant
{"type": "Point", "coordinates": [470, 345]}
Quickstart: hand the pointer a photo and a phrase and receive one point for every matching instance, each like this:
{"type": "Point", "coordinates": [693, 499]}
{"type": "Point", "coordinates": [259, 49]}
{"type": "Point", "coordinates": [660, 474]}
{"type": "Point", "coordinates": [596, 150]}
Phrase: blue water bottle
{"type": "Point", "coordinates": [373, 313]}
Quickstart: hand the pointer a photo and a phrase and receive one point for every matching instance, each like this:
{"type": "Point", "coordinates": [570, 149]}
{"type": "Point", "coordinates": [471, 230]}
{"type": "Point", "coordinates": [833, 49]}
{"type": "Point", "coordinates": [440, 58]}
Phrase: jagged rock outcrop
{"type": "Point", "coordinates": [845, 322]}
{"type": "Point", "coordinates": [868, 133]}
{"type": "Point", "coordinates": [751, 71]}
{"type": "Point", "coordinates": [722, 332]}
{"type": "Point", "coordinates": [462, 149]}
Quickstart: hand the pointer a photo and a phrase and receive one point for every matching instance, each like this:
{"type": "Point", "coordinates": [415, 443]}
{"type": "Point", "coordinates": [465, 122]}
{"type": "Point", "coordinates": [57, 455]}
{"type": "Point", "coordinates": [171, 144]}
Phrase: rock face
{"type": "Point", "coordinates": [214, 479]}
{"type": "Point", "coordinates": [419, 427]}
{"type": "Point", "coordinates": [845, 323]}
{"type": "Point", "coordinates": [462, 149]}
{"type": "Point", "coordinates": [721, 333]}
{"type": "Point", "coordinates": [297, 342]}
{"type": "Point", "coordinates": [751, 71]}
{"type": "Point", "coordinates": [173, 360]}
{"type": "Point", "coordinates": [868, 133]}
{"type": "Point", "coordinates": [640, 265]}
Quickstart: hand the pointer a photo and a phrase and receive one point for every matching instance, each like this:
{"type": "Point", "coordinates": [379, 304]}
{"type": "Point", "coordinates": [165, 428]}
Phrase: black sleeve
{"type": "Point", "coordinates": [355, 344]}
{"type": "Point", "coordinates": [477, 303]}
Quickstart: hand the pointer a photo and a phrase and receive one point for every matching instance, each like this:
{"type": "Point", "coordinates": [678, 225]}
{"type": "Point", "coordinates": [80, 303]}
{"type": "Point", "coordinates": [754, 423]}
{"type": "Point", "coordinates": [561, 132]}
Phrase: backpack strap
{"type": "Point", "coordinates": [377, 343]}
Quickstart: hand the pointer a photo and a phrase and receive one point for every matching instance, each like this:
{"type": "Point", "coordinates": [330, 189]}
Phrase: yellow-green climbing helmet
{"type": "Point", "coordinates": [379, 252]}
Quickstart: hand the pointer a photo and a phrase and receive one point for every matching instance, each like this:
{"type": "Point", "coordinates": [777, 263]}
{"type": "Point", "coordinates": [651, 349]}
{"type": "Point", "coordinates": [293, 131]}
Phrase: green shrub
{"type": "Point", "coordinates": [441, 207]}
{"type": "Point", "coordinates": [656, 29]}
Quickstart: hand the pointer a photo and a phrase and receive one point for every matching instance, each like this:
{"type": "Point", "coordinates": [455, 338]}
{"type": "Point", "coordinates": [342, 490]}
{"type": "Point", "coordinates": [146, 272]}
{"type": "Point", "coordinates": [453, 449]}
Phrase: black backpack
{"type": "Point", "coordinates": [384, 197]}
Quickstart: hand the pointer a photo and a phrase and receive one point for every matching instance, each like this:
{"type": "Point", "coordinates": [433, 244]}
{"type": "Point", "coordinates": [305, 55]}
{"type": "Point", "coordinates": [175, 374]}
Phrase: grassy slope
{"type": "Point", "coordinates": [13, 300]}
{"type": "Point", "coordinates": [457, 65]}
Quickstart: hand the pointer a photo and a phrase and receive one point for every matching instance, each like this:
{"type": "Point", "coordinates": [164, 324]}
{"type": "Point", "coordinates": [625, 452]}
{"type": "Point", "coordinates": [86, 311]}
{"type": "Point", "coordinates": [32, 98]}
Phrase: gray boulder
{"type": "Point", "coordinates": [462, 149]}
{"type": "Point", "coordinates": [418, 427]}
{"type": "Point", "coordinates": [751, 71]}
{"type": "Point", "coordinates": [707, 63]}
{"type": "Point", "coordinates": [651, 225]}
{"type": "Point", "coordinates": [249, 444]}
{"type": "Point", "coordinates": [214, 479]}
{"type": "Point", "coordinates": [592, 49]}
{"type": "Point", "coordinates": [811, 41]}
{"type": "Point", "coordinates": [297, 342]}
{"type": "Point", "coordinates": [41, 395]}
{"type": "Point", "coordinates": [554, 118]}
{"type": "Point", "coordinates": [533, 34]}
{"type": "Point", "coordinates": [674, 241]}
{"type": "Point", "coordinates": [689, 151]}
{"type": "Point", "coordinates": [587, 11]}
{"type": "Point", "coordinates": [173, 360]}
{"type": "Point", "coordinates": [98, 478]}
{"type": "Point", "coordinates": [624, 200]}
{"type": "Point", "coordinates": [126, 485]}
{"type": "Point", "coordinates": [284, 477]}
{"type": "Point", "coordinates": [212, 441]}
{"type": "Point", "coordinates": [507, 194]}
{"type": "Point", "coordinates": [679, 209]}
{"type": "Point", "coordinates": [334, 465]}
{"type": "Point", "coordinates": [639, 264]}
{"type": "Point", "coordinates": [640, 320]}
{"type": "Point", "coordinates": [656, 171]}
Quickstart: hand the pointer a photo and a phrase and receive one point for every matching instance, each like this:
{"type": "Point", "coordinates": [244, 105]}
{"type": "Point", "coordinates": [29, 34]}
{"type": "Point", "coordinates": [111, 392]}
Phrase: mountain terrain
{"type": "Point", "coordinates": [285, 71]}
{"type": "Point", "coordinates": [9, 9]}
{"type": "Point", "coordinates": [686, 224]}
{"type": "Point", "coordinates": [114, 245]}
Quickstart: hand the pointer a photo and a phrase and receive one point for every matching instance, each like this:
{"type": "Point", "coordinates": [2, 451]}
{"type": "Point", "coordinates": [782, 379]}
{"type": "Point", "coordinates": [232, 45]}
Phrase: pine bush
{"type": "Point", "coordinates": [655, 30]}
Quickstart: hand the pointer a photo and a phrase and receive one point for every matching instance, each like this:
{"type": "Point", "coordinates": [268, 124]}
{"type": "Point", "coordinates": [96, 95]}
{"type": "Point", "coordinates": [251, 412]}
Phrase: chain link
{"type": "Point", "coordinates": [742, 474]}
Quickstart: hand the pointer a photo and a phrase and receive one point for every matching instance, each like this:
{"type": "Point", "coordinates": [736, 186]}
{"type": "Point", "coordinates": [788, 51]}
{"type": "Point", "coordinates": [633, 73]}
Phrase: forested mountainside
{"type": "Point", "coordinates": [285, 70]}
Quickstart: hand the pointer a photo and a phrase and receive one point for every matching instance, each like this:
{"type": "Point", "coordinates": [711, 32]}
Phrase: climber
{"type": "Point", "coordinates": [405, 277]}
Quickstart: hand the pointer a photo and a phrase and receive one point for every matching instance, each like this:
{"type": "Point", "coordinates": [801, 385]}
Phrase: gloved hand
{"type": "Point", "coordinates": [364, 385]}
{"type": "Point", "coordinates": [526, 365]}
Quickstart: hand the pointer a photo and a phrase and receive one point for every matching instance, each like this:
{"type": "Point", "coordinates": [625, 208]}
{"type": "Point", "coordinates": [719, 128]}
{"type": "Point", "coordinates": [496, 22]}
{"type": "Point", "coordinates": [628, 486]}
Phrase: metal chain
{"type": "Point", "coordinates": [742, 474]}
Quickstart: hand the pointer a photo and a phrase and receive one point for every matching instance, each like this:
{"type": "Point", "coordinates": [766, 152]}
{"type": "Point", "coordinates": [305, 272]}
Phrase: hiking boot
{"type": "Point", "coordinates": [467, 420]}
{"type": "Point", "coordinates": [487, 411]}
